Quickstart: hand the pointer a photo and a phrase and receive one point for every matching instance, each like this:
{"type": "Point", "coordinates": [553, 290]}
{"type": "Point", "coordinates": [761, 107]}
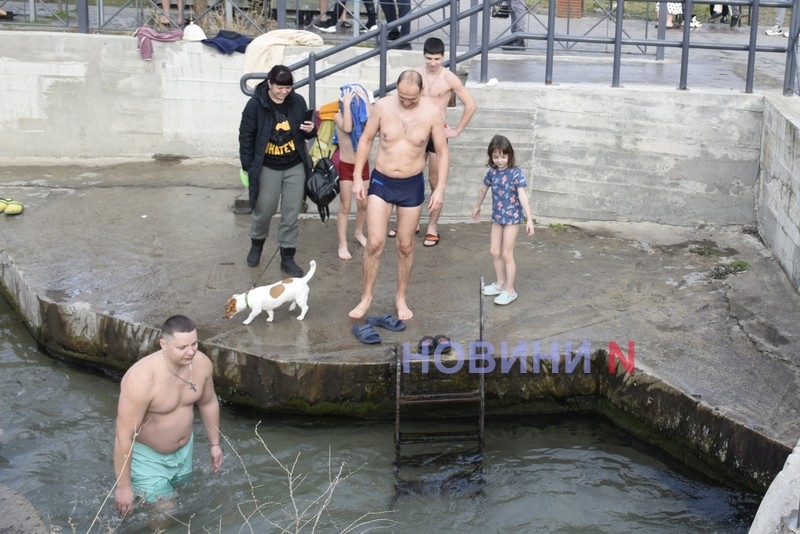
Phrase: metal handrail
{"type": "Point", "coordinates": [480, 42]}
{"type": "Point", "coordinates": [550, 37]}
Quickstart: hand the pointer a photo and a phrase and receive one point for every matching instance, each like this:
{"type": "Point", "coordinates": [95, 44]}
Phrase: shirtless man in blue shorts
{"type": "Point", "coordinates": [404, 122]}
{"type": "Point", "coordinates": [155, 415]}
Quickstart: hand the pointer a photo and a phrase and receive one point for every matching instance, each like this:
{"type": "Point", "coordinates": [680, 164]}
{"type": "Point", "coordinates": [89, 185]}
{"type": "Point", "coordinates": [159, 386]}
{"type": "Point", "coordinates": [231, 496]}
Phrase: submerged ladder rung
{"type": "Point", "coordinates": [407, 438]}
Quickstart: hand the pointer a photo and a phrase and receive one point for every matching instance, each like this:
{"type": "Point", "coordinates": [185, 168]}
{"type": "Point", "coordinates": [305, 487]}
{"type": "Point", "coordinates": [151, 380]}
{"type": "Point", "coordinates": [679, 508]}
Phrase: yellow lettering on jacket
{"type": "Point", "coordinates": [274, 150]}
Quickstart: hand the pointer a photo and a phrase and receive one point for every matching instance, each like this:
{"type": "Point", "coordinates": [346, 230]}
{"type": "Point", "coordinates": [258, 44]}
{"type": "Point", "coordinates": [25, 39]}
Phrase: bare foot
{"type": "Point", "coordinates": [344, 254]}
{"type": "Point", "coordinates": [362, 240]}
{"type": "Point", "coordinates": [359, 311]}
{"type": "Point", "coordinates": [404, 313]}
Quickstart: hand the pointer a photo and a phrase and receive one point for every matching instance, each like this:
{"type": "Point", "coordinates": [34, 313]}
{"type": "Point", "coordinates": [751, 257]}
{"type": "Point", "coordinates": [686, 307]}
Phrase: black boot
{"type": "Point", "coordinates": [288, 265]}
{"type": "Point", "coordinates": [254, 255]}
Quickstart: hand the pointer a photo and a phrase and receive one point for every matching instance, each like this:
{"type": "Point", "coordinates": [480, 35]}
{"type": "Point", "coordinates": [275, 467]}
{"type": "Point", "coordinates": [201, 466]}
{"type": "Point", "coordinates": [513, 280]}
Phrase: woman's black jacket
{"type": "Point", "coordinates": [258, 120]}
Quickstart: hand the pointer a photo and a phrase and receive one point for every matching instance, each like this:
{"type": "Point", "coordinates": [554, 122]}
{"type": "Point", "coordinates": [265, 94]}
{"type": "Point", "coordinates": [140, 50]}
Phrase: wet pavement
{"type": "Point", "coordinates": [139, 241]}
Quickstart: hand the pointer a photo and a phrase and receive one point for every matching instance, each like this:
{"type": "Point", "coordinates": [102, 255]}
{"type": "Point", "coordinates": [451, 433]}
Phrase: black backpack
{"type": "Point", "coordinates": [322, 186]}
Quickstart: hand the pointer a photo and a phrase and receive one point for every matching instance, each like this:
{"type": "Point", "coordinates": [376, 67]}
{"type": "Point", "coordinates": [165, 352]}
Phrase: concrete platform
{"type": "Point", "coordinates": [105, 252]}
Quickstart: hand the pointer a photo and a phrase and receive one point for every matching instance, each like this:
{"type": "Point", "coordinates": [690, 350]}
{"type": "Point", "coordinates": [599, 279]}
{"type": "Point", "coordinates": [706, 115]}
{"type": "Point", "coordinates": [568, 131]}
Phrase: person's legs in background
{"type": "Point", "coordinates": [165, 5]}
{"type": "Point", "coordinates": [372, 16]}
{"type": "Point", "coordinates": [403, 9]}
{"type": "Point", "coordinates": [518, 10]}
{"type": "Point", "coordinates": [718, 12]}
{"type": "Point", "coordinates": [393, 10]}
{"type": "Point", "coordinates": [777, 28]}
{"type": "Point", "coordinates": [390, 14]}
{"type": "Point", "coordinates": [327, 21]}
{"type": "Point", "coordinates": [735, 16]}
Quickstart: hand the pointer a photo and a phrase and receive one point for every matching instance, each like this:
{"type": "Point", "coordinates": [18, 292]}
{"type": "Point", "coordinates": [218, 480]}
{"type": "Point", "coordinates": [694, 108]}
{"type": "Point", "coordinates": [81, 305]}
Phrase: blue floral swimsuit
{"type": "Point", "coordinates": [506, 208]}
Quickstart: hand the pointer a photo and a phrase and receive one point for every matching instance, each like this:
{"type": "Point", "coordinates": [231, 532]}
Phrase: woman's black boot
{"type": "Point", "coordinates": [288, 265]}
{"type": "Point", "coordinates": [254, 256]}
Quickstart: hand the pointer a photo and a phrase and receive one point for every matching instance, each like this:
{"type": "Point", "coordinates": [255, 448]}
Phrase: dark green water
{"type": "Point", "coordinates": [567, 475]}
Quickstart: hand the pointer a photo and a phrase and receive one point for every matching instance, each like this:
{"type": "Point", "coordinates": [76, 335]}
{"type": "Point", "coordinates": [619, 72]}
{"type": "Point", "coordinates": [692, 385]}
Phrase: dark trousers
{"type": "Point", "coordinates": [395, 9]}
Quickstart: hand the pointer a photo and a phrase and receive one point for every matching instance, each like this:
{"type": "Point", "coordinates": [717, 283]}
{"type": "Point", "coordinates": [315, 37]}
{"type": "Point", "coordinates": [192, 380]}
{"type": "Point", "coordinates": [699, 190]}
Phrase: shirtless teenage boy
{"type": "Point", "coordinates": [404, 121]}
{"type": "Point", "coordinates": [157, 398]}
{"type": "Point", "coordinates": [439, 84]}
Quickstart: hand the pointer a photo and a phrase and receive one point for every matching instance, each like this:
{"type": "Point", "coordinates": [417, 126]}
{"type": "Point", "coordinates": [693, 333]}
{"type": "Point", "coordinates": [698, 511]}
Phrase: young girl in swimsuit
{"type": "Point", "coordinates": [510, 208]}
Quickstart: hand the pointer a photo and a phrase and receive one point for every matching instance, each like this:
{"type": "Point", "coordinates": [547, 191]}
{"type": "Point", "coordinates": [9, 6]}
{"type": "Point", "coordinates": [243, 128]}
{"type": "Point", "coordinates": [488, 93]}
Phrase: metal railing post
{"type": "Point", "coordinates": [790, 72]}
{"type": "Point", "coordinates": [484, 75]}
{"type": "Point", "coordinates": [662, 30]}
{"type": "Point", "coordinates": [384, 34]}
{"type": "Point", "coordinates": [281, 8]}
{"type": "Point", "coordinates": [472, 41]}
{"type": "Point", "coordinates": [687, 12]}
{"type": "Point", "coordinates": [751, 50]}
{"type": "Point", "coordinates": [453, 36]}
{"type": "Point", "coordinates": [312, 80]}
{"type": "Point", "coordinates": [82, 7]}
{"type": "Point", "coordinates": [617, 44]}
{"type": "Point", "coordinates": [551, 30]}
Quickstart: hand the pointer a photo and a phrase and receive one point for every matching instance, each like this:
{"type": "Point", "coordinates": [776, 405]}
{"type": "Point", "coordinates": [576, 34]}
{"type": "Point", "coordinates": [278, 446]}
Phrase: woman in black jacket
{"type": "Point", "coordinates": [273, 152]}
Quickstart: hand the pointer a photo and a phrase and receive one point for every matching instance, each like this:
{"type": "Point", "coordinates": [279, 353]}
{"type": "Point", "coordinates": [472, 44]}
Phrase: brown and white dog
{"type": "Point", "coordinates": [268, 298]}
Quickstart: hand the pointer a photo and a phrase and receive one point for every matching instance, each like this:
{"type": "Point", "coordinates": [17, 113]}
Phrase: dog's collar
{"type": "Point", "coordinates": [245, 299]}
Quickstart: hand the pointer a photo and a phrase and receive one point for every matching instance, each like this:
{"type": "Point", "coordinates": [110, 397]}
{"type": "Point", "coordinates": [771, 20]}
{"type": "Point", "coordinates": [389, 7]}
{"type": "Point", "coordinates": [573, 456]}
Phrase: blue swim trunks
{"type": "Point", "coordinates": [153, 475]}
{"type": "Point", "coordinates": [402, 192]}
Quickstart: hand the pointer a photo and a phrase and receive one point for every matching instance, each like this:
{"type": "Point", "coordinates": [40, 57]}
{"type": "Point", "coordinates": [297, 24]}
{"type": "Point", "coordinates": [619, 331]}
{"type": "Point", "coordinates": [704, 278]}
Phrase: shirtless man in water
{"type": "Point", "coordinates": [405, 121]}
{"type": "Point", "coordinates": [155, 416]}
{"type": "Point", "coordinates": [440, 84]}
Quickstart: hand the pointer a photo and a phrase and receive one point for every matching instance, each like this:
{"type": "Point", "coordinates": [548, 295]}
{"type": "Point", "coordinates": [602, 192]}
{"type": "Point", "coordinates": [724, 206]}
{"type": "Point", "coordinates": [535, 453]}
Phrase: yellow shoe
{"type": "Point", "coordinates": [13, 207]}
{"type": "Point", "coordinates": [4, 203]}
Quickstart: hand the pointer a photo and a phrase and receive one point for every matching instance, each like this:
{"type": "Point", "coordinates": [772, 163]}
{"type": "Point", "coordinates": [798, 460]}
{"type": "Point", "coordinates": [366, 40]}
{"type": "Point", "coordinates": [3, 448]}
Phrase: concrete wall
{"type": "Point", "coordinates": [779, 186]}
{"type": "Point", "coordinates": [92, 96]}
{"type": "Point", "coordinates": [599, 154]}
{"type": "Point", "coordinates": [610, 154]}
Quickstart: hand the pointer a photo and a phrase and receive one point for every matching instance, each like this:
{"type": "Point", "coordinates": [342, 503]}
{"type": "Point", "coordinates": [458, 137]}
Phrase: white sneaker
{"type": "Point", "coordinates": [503, 299]}
{"type": "Point", "coordinates": [695, 23]}
{"type": "Point", "coordinates": [786, 33]}
{"type": "Point", "coordinates": [492, 290]}
{"type": "Point", "coordinates": [775, 30]}
{"type": "Point", "coordinates": [327, 26]}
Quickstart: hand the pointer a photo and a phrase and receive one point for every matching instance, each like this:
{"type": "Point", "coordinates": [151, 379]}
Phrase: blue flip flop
{"type": "Point", "coordinates": [388, 322]}
{"type": "Point", "coordinates": [366, 334]}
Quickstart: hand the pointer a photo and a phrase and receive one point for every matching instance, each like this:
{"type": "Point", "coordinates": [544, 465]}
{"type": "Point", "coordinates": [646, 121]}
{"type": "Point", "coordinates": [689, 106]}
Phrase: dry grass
{"type": "Point", "coordinates": [250, 21]}
{"type": "Point", "coordinates": [245, 22]}
{"type": "Point", "coordinates": [302, 515]}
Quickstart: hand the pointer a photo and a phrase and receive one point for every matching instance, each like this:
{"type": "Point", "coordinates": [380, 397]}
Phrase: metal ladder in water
{"type": "Point", "coordinates": [440, 401]}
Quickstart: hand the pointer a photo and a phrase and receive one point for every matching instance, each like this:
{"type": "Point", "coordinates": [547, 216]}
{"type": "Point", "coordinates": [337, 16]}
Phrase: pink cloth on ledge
{"type": "Point", "coordinates": [145, 36]}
